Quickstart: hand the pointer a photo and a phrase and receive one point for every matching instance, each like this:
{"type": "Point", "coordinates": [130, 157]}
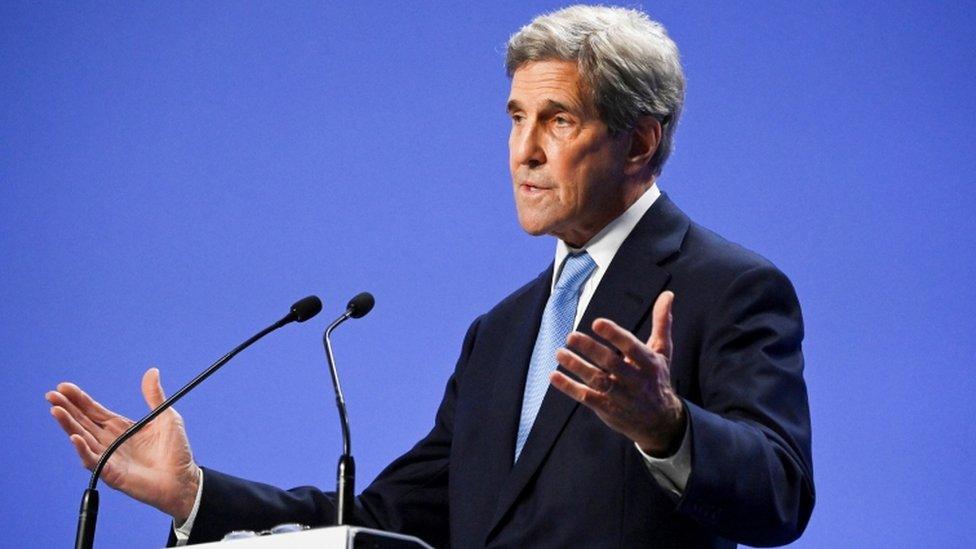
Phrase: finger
{"type": "Point", "coordinates": [88, 457]}
{"type": "Point", "coordinates": [578, 392]}
{"type": "Point", "coordinates": [601, 356]}
{"type": "Point", "coordinates": [73, 428]}
{"type": "Point", "coordinates": [84, 402]}
{"type": "Point", "coordinates": [84, 422]}
{"type": "Point", "coordinates": [591, 375]}
{"type": "Point", "coordinates": [625, 342]}
{"type": "Point", "coordinates": [152, 388]}
{"type": "Point", "coordinates": [660, 340]}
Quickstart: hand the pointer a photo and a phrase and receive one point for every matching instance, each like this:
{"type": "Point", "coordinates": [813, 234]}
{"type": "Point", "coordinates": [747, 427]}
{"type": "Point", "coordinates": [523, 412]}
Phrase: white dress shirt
{"type": "Point", "coordinates": [183, 531]}
{"type": "Point", "coordinates": [671, 472]}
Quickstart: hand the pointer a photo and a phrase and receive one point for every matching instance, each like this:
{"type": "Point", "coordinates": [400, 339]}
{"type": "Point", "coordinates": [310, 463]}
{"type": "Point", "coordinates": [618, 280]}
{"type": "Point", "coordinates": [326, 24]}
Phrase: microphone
{"type": "Point", "coordinates": [302, 310]}
{"type": "Point", "coordinates": [360, 305]}
{"type": "Point", "coordinates": [346, 474]}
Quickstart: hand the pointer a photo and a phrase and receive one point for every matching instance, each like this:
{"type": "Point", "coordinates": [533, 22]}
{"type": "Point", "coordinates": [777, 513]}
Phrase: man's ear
{"type": "Point", "coordinates": [645, 138]}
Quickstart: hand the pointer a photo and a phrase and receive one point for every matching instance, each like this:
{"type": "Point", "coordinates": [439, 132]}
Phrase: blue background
{"type": "Point", "coordinates": [173, 176]}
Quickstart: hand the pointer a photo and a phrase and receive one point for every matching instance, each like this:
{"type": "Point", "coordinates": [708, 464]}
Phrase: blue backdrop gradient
{"type": "Point", "coordinates": [174, 175]}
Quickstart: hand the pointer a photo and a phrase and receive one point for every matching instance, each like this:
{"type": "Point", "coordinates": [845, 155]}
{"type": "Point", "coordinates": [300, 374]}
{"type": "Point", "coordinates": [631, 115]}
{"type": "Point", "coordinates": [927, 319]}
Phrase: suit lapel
{"type": "Point", "coordinates": [625, 295]}
{"type": "Point", "coordinates": [509, 380]}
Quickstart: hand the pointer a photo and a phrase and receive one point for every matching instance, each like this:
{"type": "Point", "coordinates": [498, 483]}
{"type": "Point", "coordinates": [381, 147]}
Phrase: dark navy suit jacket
{"type": "Point", "coordinates": [737, 365]}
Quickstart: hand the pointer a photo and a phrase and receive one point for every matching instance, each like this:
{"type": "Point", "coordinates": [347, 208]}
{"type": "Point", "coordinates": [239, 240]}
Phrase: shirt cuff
{"type": "Point", "coordinates": [182, 532]}
{"type": "Point", "coordinates": [672, 472]}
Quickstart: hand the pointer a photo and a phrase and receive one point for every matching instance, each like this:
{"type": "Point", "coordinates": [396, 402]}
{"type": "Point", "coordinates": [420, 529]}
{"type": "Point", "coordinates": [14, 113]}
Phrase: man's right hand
{"type": "Point", "coordinates": [155, 466]}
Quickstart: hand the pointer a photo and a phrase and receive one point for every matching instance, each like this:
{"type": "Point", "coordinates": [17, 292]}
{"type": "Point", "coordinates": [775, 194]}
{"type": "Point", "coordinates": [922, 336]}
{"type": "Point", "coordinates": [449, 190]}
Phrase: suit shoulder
{"type": "Point", "coordinates": [712, 255]}
{"type": "Point", "coordinates": [711, 269]}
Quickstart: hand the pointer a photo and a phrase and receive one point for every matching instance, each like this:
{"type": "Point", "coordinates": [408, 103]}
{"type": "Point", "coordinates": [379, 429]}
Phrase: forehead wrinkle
{"type": "Point", "coordinates": [557, 85]}
{"type": "Point", "coordinates": [559, 102]}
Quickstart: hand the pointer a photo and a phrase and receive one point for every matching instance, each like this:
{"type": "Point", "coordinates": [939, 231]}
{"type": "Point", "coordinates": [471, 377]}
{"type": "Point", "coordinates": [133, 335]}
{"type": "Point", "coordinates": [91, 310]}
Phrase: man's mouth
{"type": "Point", "coordinates": [530, 187]}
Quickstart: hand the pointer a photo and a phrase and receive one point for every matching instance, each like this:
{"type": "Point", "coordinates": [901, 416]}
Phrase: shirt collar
{"type": "Point", "coordinates": [604, 245]}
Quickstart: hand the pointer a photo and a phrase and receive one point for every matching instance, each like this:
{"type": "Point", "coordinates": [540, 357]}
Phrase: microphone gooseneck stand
{"type": "Point", "coordinates": [346, 471]}
{"type": "Point", "coordinates": [301, 311]}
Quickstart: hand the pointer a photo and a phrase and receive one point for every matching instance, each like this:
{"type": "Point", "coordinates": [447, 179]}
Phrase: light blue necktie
{"type": "Point", "coordinates": [557, 321]}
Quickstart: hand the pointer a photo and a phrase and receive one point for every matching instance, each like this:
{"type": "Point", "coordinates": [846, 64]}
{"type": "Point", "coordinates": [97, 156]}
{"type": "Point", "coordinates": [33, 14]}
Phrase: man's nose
{"type": "Point", "coordinates": [526, 147]}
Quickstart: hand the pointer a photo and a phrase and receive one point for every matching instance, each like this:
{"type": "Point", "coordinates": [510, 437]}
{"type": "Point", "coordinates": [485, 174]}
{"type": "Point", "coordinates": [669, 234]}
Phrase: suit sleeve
{"type": "Point", "coordinates": [409, 496]}
{"type": "Point", "coordinates": [751, 476]}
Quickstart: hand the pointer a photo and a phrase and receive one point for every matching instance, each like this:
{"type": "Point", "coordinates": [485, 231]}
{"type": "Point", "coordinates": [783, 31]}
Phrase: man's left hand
{"type": "Point", "coordinates": [628, 385]}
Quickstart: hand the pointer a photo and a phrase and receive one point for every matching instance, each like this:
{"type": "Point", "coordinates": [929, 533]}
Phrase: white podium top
{"type": "Point", "coordinates": [333, 537]}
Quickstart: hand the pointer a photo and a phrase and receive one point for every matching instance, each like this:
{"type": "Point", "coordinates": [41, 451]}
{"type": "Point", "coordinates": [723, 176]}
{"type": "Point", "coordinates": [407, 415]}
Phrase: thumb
{"type": "Point", "coordinates": [152, 389]}
{"type": "Point", "coordinates": [660, 340]}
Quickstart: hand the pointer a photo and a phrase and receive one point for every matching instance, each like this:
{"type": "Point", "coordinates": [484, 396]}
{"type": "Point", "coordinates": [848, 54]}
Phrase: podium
{"type": "Point", "coordinates": [333, 537]}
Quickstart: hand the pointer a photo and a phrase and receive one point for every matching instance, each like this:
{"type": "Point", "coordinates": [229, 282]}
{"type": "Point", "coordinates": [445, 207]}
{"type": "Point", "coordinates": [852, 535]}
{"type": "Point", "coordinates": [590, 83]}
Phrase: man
{"type": "Point", "coordinates": [698, 437]}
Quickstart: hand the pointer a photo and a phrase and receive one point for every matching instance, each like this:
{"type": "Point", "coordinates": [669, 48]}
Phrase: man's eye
{"type": "Point", "coordinates": [517, 118]}
{"type": "Point", "coordinates": [562, 121]}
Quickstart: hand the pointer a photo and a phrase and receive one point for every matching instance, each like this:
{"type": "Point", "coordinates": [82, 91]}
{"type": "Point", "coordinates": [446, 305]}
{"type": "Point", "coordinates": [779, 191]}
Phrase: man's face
{"type": "Point", "coordinates": [567, 169]}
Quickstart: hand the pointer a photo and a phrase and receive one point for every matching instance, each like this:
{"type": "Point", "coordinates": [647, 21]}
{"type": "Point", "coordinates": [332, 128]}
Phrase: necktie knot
{"type": "Point", "coordinates": [576, 270]}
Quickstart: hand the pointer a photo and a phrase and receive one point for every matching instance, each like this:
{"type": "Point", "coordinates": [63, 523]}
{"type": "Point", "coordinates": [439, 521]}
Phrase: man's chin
{"type": "Point", "coordinates": [534, 232]}
{"type": "Point", "coordinates": [533, 228]}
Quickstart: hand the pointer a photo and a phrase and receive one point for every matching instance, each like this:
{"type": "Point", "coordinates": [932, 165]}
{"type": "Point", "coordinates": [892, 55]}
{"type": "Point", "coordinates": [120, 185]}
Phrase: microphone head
{"type": "Point", "coordinates": [305, 308]}
{"type": "Point", "coordinates": [360, 305]}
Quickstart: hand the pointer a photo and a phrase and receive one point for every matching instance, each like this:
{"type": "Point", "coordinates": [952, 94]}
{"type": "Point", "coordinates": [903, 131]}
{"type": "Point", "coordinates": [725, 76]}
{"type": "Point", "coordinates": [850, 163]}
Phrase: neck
{"type": "Point", "coordinates": [579, 237]}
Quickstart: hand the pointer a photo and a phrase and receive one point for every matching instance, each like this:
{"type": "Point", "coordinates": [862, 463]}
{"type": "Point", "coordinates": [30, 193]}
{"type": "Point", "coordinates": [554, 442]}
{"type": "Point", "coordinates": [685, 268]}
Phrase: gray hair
{"type": "Point", "coordinates": [629, 64]}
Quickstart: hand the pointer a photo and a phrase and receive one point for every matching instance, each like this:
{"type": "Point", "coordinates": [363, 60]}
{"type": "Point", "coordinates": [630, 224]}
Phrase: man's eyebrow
{"type": "Point", "coordinates": [551, 105]}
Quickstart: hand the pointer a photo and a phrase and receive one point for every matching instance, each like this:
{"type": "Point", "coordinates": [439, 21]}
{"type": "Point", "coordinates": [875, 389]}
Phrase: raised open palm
{"type": "Point", "coordinates": [155, 466]}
